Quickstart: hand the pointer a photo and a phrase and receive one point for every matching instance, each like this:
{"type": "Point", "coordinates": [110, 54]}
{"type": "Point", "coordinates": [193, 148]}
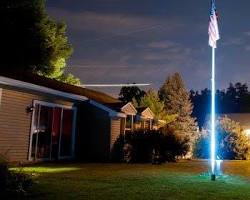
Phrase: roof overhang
{"type": "Point", "coordinates": [112, 113]}
{"type": "Point", "coordinates": [33, 87]}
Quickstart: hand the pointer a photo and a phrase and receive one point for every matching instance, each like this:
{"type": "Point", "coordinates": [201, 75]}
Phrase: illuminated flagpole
{"type": "Point", "coordinates": [213, 146]}
{"type": "Point", "coordinates": [213, 32]}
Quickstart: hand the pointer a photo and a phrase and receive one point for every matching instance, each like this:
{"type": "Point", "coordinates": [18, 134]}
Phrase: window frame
{"type": "Point", "coordinates": [32, 129]}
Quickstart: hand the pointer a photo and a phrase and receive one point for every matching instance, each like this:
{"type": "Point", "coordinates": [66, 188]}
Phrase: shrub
{"type": "Point", "coordinates": [232, 141]}
{"type": "Point", "coordinates": [3, 177]}
{"type": "Point", "coordinates": [18, 183]}
{"type": "Point", "coordinates": [154, 146]}
{"type": "Point", "coordinates": [117, 152]}
{"type": "Point", "coordinates": [202, 147]}
{"type": "Point", "coordinates": [174, 145]}
{"type": "Point", "coordinates": [3, 174]}
{"type": "Point", "coordinates": [13, 184]}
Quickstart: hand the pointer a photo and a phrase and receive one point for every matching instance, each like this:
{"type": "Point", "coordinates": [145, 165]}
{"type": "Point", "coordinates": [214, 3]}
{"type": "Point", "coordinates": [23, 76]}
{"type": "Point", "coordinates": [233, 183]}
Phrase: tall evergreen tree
{"type": "Point", "coordinates": [31, 40]}
{"type": "Point", "coordinates": [177, 101]}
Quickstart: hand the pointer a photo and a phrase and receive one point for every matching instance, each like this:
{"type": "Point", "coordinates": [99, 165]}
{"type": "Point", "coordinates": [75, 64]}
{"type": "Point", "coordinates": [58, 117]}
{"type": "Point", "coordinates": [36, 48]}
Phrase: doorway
{"type": "Point", "coordinates": [52, 132]}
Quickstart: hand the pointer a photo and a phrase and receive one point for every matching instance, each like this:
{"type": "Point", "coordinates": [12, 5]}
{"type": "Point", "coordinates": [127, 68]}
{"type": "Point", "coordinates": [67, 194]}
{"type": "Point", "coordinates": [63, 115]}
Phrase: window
{"type": "Point", "coordinates": [130, 122]}
{"type": "Point", "coordinates": [66, 133]}
{"type": "Point", "coordinates": [52, 131]}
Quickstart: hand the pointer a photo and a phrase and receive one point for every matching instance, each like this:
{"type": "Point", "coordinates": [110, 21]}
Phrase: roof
{"type": "Point", "coordinates": [63, 87]}
{"type": "Point", "coordinates": [126, 108]}
{"type": "Point", "coordinates": [146, 112]}
{"type": "Point", "coordinates": [129, 109]}
{"type": "Point", "coordinates": [116, 106]}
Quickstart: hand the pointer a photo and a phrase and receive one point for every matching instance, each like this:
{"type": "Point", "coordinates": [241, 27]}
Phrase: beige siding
{"type": "Point", "coordinates": [122, 126]}
{"type": "Point", "coordinates": [15, 122]}
{"type": "Point", "coordinates": [115, 131]}
{"type": "Point", "coordinates": [129, 109]}
{"type": "Point", "coordinates": [147, 114]}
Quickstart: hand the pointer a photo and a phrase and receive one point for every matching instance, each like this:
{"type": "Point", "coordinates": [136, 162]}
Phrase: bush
{"type": "Point", "coordinates": [18, 183]}
{"type": "Point", "coordinates": [117, 153]}
{"type": "Point", "coordinates": [202, 148]}
{"type": "Point", "coordinates": [232, 142]}
{"type": "Point", "coordinates": [13, 184]}
{"type": "Point", "coordinates": [154, 146]}
{"type": "Point", "coordinates": [3, 177]}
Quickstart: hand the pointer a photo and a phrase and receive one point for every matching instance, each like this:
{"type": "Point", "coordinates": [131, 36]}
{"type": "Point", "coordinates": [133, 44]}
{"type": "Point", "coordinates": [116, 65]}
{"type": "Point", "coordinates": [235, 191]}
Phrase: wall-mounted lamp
{"type": "Point", "coordinates": [29, 109]}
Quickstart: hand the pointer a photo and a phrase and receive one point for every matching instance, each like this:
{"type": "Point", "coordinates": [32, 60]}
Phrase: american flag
{"type": "Point", "coordinates": [213, 29]}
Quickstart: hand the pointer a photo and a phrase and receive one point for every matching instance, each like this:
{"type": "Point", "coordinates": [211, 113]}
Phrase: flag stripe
{"type": "Point", "coordinates": [213, 29]}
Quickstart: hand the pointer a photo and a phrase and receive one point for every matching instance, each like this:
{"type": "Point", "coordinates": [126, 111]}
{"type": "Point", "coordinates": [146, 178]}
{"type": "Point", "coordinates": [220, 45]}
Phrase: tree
{"type": "Point", "coordinates": [127, 94]}
{"type": "Point", "coordinates": [177, 101]}
{"type": "Point", "coordinates": [152, 100]}
{"type": "Point", "coordinates": [235, 99]}
{"type": "Point", "coordinates": [70, 79]}
{"type": "Point", "coordinates": [31, 40]}
{"type": "Point", "coordinates": [232, 141]}
{"type": "Point", "coordinates": [201, 105]}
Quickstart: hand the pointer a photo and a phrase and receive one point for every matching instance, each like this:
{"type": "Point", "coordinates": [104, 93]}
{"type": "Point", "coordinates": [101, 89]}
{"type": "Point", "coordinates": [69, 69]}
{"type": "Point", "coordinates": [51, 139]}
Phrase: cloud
{"type": "Point", "coordinates": [233, 41]}
{"type": "Point", "coordinates": [162, 44]}
{"type": "Point", "coordinates": [247, 47]}
{"type": "Point", "coordinates": [113, 24]}
{"type": "Point", "coordinates": [247, 33]}
{"type": "Point", "coordinates": [125, 48]}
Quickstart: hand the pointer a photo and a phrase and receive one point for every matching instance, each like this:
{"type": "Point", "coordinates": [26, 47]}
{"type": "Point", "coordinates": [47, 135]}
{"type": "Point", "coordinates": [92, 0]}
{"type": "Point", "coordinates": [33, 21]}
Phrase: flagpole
{"type": "Point", "coordinates": [213, 148]}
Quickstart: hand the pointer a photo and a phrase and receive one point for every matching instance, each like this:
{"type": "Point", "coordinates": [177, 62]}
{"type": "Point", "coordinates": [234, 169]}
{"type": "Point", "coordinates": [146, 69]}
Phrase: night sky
{"type": "Point", "coordinates": [143, 41]}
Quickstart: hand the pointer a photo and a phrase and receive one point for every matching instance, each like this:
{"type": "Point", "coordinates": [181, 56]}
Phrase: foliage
{"type": "Point", "coordinates": [127, 94]}
{"type": "Point", "coordinates": [202, 147]}
{"type": "Point", "coordinates": [69, 79]}
{"type": "Point", "coordinates": [177, 102]}
{"type": "Point", "coordinates": [233, 143]}
{"type": "Point", "coordinates": [152, 100]}
{"type": "Point", "coordinates": [13, 184]}
{"type": "Point", "coordinates": [235, 99]}
{"type": "Point", "coordinates": [144, 146]}
{"type": "Point", "coordinates": [32, 40]}
{"type": "Point", "coordinates": [175, 145]}
{"type": "Point", "coordinates": [117, 150]}
{"type": "Point", "coordinates": [3, 176]}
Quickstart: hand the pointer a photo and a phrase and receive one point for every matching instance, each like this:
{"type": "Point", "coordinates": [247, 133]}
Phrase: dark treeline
{"type": "Point", "coordinates": [235, 99]}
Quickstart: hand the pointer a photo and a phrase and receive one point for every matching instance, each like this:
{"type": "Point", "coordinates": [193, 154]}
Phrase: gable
{"type": "Point", "coordinates": [147, 113]}
{"type": "Point", "coordinates": [129, 109]}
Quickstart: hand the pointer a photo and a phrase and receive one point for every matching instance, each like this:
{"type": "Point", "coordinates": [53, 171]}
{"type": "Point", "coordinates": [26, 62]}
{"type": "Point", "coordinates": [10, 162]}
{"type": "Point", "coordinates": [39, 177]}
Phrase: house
{"type": "Point", "coordinates": [43, 119]}
{"type": "Point", "coordinates": [145, 119]}
{"type": "Point", "coordinates": [40, 117]}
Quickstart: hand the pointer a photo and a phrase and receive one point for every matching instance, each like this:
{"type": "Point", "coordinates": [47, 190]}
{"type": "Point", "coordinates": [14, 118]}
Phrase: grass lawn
{"type": "Point", "coordinates": [177, 181]}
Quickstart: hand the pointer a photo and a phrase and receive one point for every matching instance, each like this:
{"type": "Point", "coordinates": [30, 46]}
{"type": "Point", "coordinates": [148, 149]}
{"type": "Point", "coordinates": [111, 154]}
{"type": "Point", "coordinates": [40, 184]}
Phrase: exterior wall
{"type": "Point", "coordinates": [94, 138]}
{"type": "Point", "coordinates": [122, 126]}
{"type": "Point", "coordinates": [15, 122]}
{"type": "Point", "coordinates": [115, 131]}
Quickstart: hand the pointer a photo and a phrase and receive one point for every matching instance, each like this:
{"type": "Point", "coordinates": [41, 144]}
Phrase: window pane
{"type": "Point", "coordinates": [35, 131]}
{"type": "Point", "coordinates": [129, 122]}
{"type": "Point", "coordinates": [44, 132]}
{"type": "Point", "coordinates": [56, 126]}
{"type": "Point", "coordinates": [66, 133]}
